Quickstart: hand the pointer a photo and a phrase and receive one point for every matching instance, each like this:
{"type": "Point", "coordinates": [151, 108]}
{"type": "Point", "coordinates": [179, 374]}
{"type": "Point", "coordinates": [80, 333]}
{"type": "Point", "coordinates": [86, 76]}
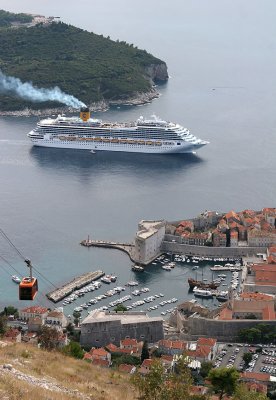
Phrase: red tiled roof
{"type": "Point", "coordinates": [112, 348]}
{"type": "Point", "coordinates": [126, 368]}
{"type": "Point", "coordinates": [101, 363]}
{"type": "Point", "coordinates": [12, 333]}
{"type": "Point", "coordinates": [269, 313]}
{"type": "Point", "coordinates": [225, 314]}
{"type": "Point", "coordinates": [256, 296]}
{"type": "Point", "coordinates": [258, 376]}
{"type": "Point", "coordinates": [35, 310]}
{"type": "Point", "coordinates": [129, 342]}
{"type": "Point", "coordinates": [256, 387]}
{"type": "Point", "coordinates": [265, 274]}
{"type": "Point", "coordinates": [232, 214]}
{"type": "Point", "coordinates": [165, 343]}
{"type": "Point", "coordinates": [87, 356]}
{"type": "Point", "coordinates": [147, 363]}
{"type": "Point", "coordinates": [179, 345]}
{"type": "Point", "coordinates": [206, 341]}
{"type": "Point", "coordinates": [198, 389]}
{"type": "Point", "coordinates": [99, 352]}
{"type": "Point", "coordinates": [167, 357]}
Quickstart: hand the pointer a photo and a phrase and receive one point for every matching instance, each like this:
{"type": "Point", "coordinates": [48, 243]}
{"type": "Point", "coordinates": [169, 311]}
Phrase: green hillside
{"type": "Point", "coordinates": [81, 63]}
{"type": "Point", "coordinates": [7, 18]}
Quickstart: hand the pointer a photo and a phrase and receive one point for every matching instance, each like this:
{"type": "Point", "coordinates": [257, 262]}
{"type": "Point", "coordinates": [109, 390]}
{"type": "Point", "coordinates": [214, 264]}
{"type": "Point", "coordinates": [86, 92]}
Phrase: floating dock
{"type": "Point", "coordinates": [77, 283]}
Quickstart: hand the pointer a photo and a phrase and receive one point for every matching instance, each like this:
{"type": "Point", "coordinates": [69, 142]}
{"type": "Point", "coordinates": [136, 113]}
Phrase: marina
{"type": "Point", "coordinates": [164, 296]}
{"type": "Point", "coordinates": [77, 283]}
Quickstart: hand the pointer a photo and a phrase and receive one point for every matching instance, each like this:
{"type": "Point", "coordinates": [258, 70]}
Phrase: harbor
{"type": "Point", "coordinates": [77, 283]}
{"type": "Point", "coordinates": [167, 281]}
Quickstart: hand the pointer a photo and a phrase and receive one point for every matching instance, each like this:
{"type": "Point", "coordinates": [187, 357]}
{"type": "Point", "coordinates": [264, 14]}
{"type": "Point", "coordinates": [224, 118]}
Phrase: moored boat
{"type": "Point", "coordinates": [202, 293]}
{"type": "Point", "coordinates": [137, 268]}
{"type": "Point", "coordinates": [16, 279]}
{"type": "Point", "coordinates": [202, 285]}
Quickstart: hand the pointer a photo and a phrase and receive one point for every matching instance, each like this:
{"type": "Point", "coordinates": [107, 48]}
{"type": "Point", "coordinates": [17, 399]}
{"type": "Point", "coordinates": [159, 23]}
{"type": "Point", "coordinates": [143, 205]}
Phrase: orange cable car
{"type": "Point", "coordinates": [28, 287]}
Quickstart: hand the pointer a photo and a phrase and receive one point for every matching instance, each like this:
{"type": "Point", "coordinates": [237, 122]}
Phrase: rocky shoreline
{"type": "Point", "coordinates": [135, 100]}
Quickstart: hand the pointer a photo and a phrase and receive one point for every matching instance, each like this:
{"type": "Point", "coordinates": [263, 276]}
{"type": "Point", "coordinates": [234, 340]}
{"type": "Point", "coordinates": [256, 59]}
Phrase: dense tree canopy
{"type": "Point", "coordinates": [86, 65]}
{"type": "Point", "coordinates": [223, 380]}
{"type": "Point", "coordinates": [7, 18]}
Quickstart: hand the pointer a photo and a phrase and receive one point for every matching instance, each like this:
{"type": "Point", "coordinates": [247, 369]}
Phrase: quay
{"type": "Point", "coordinates": [77, 283]}
{"type": "Point", "coordinates": [126, 247]}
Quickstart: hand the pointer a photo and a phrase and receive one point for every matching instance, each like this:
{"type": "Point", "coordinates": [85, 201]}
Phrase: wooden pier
{"type": "Point", "coordinates": [77, 283]}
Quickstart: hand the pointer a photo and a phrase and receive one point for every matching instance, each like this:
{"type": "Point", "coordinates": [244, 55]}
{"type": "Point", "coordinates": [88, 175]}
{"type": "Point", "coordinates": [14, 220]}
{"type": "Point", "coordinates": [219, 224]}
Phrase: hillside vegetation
{"type": "Point", "coordinates": [36, 374]}
{"type": "Point", "coordinates": [8, 18]}
{"type": "Point", "coordinates": [86, 65]}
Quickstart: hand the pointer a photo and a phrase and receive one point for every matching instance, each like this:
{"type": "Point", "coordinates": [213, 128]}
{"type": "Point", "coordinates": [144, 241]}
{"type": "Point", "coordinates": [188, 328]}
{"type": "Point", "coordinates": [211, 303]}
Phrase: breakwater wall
{"type": "Point", "coordinates": [125, 247]}
{"type": "Point", "coordinates": [77, 283]}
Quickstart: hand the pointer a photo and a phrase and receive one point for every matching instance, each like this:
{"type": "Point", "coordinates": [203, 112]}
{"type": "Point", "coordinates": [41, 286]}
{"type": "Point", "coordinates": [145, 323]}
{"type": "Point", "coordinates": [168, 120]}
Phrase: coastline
{"type": "Point", "coordinates": [103, 105]}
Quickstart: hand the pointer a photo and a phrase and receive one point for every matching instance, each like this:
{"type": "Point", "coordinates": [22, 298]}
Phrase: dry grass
{"type": "Point", "coordinates": [97, 383]}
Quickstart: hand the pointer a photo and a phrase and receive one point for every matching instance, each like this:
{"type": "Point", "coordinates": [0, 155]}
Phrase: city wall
{"type": "Point", "coordinates": [193, 328]}
{"type": "Point", "coordinates": [172, 244]}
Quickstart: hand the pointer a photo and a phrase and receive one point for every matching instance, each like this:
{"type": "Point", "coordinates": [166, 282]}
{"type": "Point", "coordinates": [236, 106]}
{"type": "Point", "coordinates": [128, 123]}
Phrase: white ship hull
{"type": "Point", "coordinates": [143, 136]}
{"type": "Point", "coordinates": [129, 148]}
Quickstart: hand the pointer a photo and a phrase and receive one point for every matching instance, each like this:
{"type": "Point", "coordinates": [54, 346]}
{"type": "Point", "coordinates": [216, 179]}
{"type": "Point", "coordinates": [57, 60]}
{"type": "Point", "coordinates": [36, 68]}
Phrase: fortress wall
{"type": "Point", "coordinates": [177, 247]}
{"type": "Point", "coordinates": [193, 328]}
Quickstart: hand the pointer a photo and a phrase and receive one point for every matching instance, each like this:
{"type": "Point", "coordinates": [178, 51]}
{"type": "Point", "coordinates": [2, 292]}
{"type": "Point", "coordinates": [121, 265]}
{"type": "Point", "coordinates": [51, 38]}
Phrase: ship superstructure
{"type": "Point", "coordinates": [143, 136]}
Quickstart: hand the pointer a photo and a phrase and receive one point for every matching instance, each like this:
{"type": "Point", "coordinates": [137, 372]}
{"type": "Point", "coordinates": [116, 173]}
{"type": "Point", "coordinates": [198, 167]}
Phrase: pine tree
{"type": "Point", "coordinates": [145, 351]}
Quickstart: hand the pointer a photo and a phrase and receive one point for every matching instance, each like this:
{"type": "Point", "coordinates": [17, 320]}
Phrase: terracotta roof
{"type": "Point", "coordinates": [258, 376]}
{"type": "Point", "coordinates": [112, 348]}
{"type": "Point", "coordinates": [269, 313]}
{"type": "Point", "coordinates": [165, 343]}
{"type": "Point", "coordinates": [167, 357]}
{"type": "Point", "coordinates": [147, 363]}
{"type": "Point", "coordinates": [55, 314]}
{"type": "Point", "coordinates": [265, 274]}
{"type": "Point", "coordinates": [179, 345]}
{"type": "Point", "coordinates": [271, 250]}
{"type": "Point", "coordinates": [87, 356]}
{"type": "Point", "coordinates": [232, 214]}
{"type": "Point", "coordinates": [199, 389]}
{"type": "Point", "coordinates": [129, 342]}
{"type": "Point", "coordinates": [12, 333]}
{"type": "Point", "coordinates": [206, 341]}
{"type": "Point", "coordinates": [35, 310]}
{"type": "Point", "coordinates": [256, 387]}
{"type": "Point", "coordinates": [256, 296]}
{"type": "Point", "coordinates": [270, 211]}
{"type": "Point", "coordinates": [126, 368]}
{"type": "Point", "coordinates": [225, 314]}
{"type": "Point", "coordinates": [99, 352]}
{"type": "Point", "coordinates": [101, 363]}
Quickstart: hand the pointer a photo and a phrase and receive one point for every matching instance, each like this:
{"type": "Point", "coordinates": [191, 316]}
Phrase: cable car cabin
{"type": "Point", "coordinates": [28, 288]}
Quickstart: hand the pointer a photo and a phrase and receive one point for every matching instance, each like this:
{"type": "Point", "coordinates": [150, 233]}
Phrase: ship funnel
{"type": "Point", "coordinates": [84, 114]}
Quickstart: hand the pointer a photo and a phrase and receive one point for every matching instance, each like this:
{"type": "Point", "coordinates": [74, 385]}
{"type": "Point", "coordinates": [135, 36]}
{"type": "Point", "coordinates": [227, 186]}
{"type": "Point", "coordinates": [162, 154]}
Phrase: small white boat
{"type": "Point", "coordinates": [16, 279]}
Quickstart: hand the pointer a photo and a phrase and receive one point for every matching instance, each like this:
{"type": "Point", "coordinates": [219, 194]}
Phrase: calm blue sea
{"type": "Point", "coordinates": [221, 59]}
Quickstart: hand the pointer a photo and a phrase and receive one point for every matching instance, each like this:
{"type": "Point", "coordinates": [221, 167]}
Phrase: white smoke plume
{"type": "Point", "coordinates": [26, 90]}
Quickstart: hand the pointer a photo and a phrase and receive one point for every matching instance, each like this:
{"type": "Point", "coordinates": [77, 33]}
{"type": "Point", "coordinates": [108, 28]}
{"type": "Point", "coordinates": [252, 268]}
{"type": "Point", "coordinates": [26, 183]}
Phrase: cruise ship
{"type": "Point", "coordinates": [143, 136]}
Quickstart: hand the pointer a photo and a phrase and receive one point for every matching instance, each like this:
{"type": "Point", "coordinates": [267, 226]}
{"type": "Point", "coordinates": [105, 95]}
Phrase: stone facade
{"type": "Point", "coordinates": [101, 328]}
{"type": "Point", "coordinates": [174, 244]}
{"type": "Point", "coordinates": [148, 240]}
